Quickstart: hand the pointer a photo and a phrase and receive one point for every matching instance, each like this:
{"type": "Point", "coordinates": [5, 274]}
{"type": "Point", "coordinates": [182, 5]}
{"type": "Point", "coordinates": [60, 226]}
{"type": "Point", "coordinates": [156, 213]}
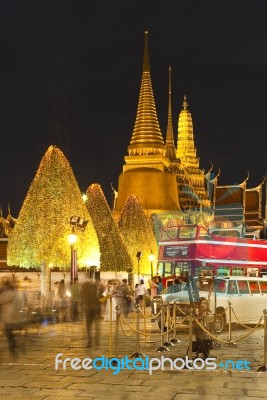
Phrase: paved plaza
{"type": "Point", "coordinates": [32, 374]}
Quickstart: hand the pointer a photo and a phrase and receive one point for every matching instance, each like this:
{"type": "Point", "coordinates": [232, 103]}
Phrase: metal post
{"type": "Point", "coordinates": [117, 328]}
{"type": "Point", "coordinates": [168, 343]}
{"type": "Point", "coordinates": [265, 338]}
{"type": "Point", "coordinates": [263, 368]}
{"type": "Point", "coordinates": [137, 353]}
{"type": "Point", "coordinates": [110, 326]}
{"type": "Point", "coordinates": [73, 272]}
{"type": "Point", "coordinates": [174, 340]}
{"type": "Point", "coordinates": [230, 320]}
{"type": "Point", "coordinates": [162, 326]}
{"type": "Point", "coordinates": [190, 336]}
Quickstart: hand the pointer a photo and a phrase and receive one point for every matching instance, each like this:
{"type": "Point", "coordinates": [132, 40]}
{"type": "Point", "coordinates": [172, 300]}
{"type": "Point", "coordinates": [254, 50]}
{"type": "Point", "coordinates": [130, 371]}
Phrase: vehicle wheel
{"type": "Point", "coordinates": [219, 322]}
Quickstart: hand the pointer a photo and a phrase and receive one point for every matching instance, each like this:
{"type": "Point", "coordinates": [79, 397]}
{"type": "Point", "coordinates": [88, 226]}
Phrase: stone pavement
{"type": "Point", "coordinates": [32, 374]}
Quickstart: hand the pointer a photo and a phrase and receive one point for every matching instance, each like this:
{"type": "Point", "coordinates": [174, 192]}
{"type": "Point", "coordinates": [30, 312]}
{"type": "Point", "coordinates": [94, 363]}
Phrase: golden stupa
{"type": "Point", "coordinates": [146, 171]}
{"type": "Point", "coordinates": [165, 179]}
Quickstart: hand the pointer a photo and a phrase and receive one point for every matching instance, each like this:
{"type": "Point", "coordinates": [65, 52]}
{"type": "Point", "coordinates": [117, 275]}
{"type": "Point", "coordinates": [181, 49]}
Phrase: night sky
{"type": "Point", "coordinates": [70, 75]}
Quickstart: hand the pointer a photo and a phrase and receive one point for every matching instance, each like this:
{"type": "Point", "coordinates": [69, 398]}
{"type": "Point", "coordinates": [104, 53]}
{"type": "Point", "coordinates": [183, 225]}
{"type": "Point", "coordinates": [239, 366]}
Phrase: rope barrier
{"type": "Point", "coordinates": [161, 334]}
{"type": "Point", "coordinates": [224, 341]}
{"type": "Point", "coordinates": [240, 323]}
{"type": "Point", "coordinates": [143, 333]}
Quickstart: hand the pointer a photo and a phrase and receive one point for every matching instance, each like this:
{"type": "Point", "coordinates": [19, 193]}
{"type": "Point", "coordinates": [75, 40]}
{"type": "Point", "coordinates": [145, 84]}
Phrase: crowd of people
{"type": "Point", "coordinates": [92, 301]}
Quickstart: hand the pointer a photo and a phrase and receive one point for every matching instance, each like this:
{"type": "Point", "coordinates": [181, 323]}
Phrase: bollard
{"type": "Point", "coordinates": [137, 353]}
{"type": "Point", "coordinates": [162, 325]}
{"type": "Point", "coordinates": [263, 368]}
{"type": "Point", "coordinates": [174, 340]}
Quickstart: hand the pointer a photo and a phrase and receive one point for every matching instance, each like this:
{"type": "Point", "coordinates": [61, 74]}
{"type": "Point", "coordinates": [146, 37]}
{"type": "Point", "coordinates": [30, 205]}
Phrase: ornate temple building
{"type": "Point", "coordinates": [6, 226]}
{"type": "Point", "coordinates": [165, 179]}
{"type": "Point", "coordinates": [168, 181]}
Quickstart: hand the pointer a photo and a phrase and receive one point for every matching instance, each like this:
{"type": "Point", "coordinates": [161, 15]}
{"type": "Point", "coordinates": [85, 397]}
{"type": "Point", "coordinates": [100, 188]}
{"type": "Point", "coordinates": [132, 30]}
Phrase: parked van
{"type": "Point", "coordinates": [247, 295]}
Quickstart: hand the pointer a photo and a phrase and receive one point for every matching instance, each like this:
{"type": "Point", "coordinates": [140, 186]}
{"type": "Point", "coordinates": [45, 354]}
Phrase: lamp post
{"type": "Point", "coordinates": [76, 223]}
{"type": "Point", "coordinates": [151, 258]}
{"type": "Point", "coordinates": [138, 256]}
{"type": "Point", "coordinates": [72, 238]}
{"type": "Point", "coordinates": [50, 273]}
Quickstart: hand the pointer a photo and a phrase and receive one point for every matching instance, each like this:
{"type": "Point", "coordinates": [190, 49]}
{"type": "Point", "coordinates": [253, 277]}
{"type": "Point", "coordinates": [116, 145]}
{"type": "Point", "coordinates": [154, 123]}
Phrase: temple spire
{"type": "Point", "coordinates": [146, 137]}
{"type": "Point", "coordinates": [170, 147]}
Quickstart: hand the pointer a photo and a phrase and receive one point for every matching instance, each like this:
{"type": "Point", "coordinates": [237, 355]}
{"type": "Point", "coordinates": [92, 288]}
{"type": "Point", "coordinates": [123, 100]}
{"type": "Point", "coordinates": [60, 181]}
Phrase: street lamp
{"type": "Point", "coordinates": [72, 238]}
{"type": "Point", "coordinates": [138, 256]}
{"type": "Point", "coordinates": [50, 272]}
{"type": "Point", "coordinates": [76, 223]}
{"type": "Point", "coordinates": [151, 258]}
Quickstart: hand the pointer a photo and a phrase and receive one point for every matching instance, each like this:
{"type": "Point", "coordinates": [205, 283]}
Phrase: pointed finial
{"type": "Point", "coordinates": [170, 77]}
{"type": "Point", "coordinates": [146, 67]}
{"type": "Point", "coordinates": [185, 104]}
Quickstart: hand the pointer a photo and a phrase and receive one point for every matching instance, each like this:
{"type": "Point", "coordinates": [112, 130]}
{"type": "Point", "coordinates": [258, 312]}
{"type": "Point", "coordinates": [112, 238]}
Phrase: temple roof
{"type": "Point", "coordinates": [146, 137]}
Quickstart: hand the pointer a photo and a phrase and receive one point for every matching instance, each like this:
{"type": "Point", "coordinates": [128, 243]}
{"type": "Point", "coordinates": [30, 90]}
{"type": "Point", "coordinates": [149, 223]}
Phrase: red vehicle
{"type": "Point", "coordinates": [192, 247]}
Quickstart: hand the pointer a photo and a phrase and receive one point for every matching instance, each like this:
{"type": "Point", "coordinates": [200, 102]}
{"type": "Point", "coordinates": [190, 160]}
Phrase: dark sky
{"type": "Point", "coordinates": [70, 75]}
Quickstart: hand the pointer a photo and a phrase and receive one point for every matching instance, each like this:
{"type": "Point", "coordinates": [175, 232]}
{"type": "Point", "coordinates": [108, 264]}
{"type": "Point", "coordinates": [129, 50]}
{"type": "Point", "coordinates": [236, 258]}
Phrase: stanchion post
{"type": "Point", "coordinates": [265, 338]}
{"type": "Point", "coordinates": [144, 304]}
{"type": "Point", "coordinates": [117, 329]}
{"type": "Point", "coordinates": [137, 353]}
{"type": "Point", "coordinates": [168, 343]}
{"type": "Point", "coordinates": [264, 367]}
{"type": "Point", "coordinates": [110, 325]}
{"type": "Point", "coordinates": [230, 320]}
{"type": "Point", "coordinates": [174, 340]}
{"type": "Point", "coordinates": [190, 336]}
{"type": "Point", "coordinates": [162, 326]}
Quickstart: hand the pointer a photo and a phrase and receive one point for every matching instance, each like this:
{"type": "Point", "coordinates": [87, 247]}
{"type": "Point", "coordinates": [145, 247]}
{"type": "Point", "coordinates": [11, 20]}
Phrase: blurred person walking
{"type": "Point", "coordinates": [91, 293]}
{"type": "Point", "coordinates": [9, 312]}
{"type": "Point", "coordinates": [74, 300]}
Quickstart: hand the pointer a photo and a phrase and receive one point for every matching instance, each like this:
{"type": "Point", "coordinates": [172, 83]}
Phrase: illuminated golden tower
{"type": "Point", "coordinates": [187, 155]}
{"type": "Point", "coordinates": [145, 173]}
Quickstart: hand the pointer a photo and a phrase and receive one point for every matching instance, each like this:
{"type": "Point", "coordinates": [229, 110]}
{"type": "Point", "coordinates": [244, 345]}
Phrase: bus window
{"type": "Point", "coordinates": [187, 232]}
{"type": "Point", "coordinates": [223, 271]}
{"type": "Point", "coordinates": [263, 286]}
{"type": "Point", "coordinates": [203, 271]}
{"type": "Point", "coordinates": [160, 268]}
{"type": "Point", "coordinates": [238, 271]}
{"type": "Point", "coordinates": [243, 287]}
{"type": "Point", "coordinates": [254, 287]}
{"type": "Point", "coordinates": [232, 287]}
{"type": "Point", "coordinates": [203, 234]}
{"type": "Point", "coordinates": [220, 286]}
{"type": "Point", "coordinates": [252, 271]}
{"type": "Point", "coordinates": [167, 269]}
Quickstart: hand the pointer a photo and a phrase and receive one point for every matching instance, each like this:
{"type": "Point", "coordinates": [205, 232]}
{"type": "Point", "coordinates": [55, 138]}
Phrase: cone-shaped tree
{"type": "Point", "coordinates": [40, 236]}
{"type": "Point", "coordinates": [138, 234]}
{"type": "Point", "coordinates": [114, 253]}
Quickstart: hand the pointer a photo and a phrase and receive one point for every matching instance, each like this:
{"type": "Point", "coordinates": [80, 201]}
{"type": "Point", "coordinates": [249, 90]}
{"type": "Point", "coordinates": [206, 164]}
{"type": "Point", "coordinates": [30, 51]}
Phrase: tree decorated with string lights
{"type": "Point", "coordinates": [40, 236]}
{"type": "Point", "coordinates": [114, 253]}
{"type": "Point", "coordinates": [138, 235]}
